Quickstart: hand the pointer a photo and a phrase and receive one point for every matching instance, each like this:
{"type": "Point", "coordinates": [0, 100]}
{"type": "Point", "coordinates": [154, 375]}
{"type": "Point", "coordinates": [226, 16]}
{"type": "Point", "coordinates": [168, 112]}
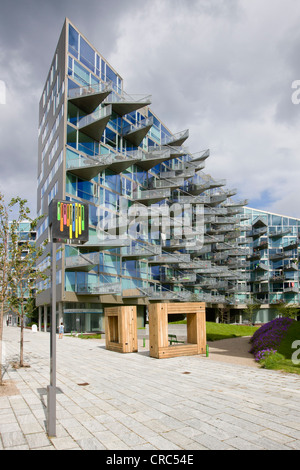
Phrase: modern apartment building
{"type": "Point", "coordinates": [160, 228]}
{"type": "Point", "coordinates": [272, 265]}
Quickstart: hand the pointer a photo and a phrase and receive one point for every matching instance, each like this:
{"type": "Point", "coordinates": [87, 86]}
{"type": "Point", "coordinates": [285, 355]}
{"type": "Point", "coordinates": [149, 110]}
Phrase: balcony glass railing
{"type": "Point", "coordinates": [171, 140]}
{"type": "Point", "coordinates": [151, 194]}
{"type": "Point", "coordinates": [178, 278]}
{"type": "Point", "coordinates": [170, 259]}
{"type": "Point", "coordinates": [82, 260]}
{"type": "Point", "coordinates": [97, 115]}
{"type": "Point", "coordinates": [79, 92]}
{"type": "Point", "coordinates": [165, 183]}
{"type": "Point", "coordinates": [141, 251]}
{"type": "Point", "coordinates": [137, 125]}
{"type": "Point", "coordinates": [99, 289]}
{"type": "Point", "coordinates": [126, 98]}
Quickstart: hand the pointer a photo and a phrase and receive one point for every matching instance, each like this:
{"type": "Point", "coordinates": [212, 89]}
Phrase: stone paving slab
{"type": "Point", "coordinates": [134, 402]}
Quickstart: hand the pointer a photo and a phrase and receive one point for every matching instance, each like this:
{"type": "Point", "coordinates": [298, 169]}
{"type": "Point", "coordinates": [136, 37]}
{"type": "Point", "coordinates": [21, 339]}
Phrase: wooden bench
{"type": "Point", "coordinates": [173, 339]}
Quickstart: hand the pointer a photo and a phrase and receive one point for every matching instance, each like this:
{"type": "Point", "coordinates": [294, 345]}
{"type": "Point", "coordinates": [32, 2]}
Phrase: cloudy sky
{"type": "Point", "coordinates": [224, 69]}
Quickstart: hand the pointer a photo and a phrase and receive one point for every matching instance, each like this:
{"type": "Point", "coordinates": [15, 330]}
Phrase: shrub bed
{"type": "Point", "coordinates": [266, 340]}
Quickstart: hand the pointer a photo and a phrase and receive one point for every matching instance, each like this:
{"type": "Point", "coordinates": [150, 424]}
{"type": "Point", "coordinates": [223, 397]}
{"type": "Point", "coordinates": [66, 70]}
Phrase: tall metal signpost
{"type": "Point", "coordinates": [68, 223]}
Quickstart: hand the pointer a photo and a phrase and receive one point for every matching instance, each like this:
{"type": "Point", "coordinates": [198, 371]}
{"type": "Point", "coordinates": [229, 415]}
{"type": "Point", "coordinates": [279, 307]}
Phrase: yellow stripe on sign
{"type": "Point", "coordinates": [76, 220]}
{"type": "Point", "coordinates": [79, 219]}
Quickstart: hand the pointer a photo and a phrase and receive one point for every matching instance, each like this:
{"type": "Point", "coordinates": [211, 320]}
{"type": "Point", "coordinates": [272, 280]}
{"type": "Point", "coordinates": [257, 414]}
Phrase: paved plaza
{"type": "Point", "coordinates": [112, 401]}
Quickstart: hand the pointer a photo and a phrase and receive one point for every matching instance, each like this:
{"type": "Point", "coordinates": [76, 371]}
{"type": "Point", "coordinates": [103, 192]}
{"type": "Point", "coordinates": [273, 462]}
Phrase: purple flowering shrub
{"type": "Point", "coordinates": [268, 337]}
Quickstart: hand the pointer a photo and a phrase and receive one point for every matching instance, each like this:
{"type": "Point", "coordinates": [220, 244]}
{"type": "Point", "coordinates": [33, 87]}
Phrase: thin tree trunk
{"type": "Point", "coordinates": [1, 336]}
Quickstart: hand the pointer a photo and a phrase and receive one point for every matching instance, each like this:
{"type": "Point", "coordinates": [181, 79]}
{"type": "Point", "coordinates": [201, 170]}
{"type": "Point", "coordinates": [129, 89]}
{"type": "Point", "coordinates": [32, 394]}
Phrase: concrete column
{"type": "Point", "coordinates": [40, 318]}
{"type": "Point", "coordinates": [60, 313]}
{"type": "Point", "coordinates": [45, 317]}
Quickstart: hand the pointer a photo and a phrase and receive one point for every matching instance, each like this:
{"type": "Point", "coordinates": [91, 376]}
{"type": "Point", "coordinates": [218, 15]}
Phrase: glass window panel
{"type": "Point", "coordinates": [110, 75]}
{"type": "Point", "coordinates": [276, 220]}
{"type": "Point", "coordinates": [69, 281]}
{"type": "Point", "coordinates": [71, 184]}
{"type": "Point", "coordinates": [87, 55]}
{"type": "Point", "coordinates": [73, 41]}
{"type": "Point", "coordinates": [81, 74]}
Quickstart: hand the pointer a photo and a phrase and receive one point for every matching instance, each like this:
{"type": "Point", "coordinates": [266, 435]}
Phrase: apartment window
{"type": "Point", "coordinates": [87, 55]}
{"type": "Point", "coordinates": [73, 41]}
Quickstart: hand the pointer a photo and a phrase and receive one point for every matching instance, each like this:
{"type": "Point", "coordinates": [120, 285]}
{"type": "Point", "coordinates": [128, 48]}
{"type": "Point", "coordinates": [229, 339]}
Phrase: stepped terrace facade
{"type": "Point", "coordinates": [160, 228]}
{"type": "Point", "coordinates": [272, 265]}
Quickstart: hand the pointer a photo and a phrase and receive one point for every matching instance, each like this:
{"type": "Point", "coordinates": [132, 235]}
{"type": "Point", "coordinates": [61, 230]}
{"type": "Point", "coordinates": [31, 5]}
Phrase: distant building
{"type": "Point", "coordinates": [272, 264]}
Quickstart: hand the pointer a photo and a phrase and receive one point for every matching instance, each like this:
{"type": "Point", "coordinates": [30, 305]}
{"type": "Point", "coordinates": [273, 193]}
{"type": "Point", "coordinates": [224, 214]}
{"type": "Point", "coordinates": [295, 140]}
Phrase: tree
{"type": "Point", "coordinates": [4, 265]}
{"type": "Point", "coordinates": [287, 310]}
{"type": "Point", "coordinates": [251, 309]}
{"type": "Point", "coordinates": [23, 274]}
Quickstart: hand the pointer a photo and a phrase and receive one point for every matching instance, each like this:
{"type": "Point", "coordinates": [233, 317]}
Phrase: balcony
{"type": "Point", "coordinates": [232, 204]}
{"type": "Point", "coordinates": [231, 192]}
{"type": "Point", "coordinates": [199, 156]}
{"type": "Point", "coordinates": [216, 199]}
{"type": "Point", "coordinates": [120, 162]}
{"type": "Point", "coordinates": [184, 244]}
{"type": "Point", "coordinates": [135, 133]}
{"type": "Point", "coordinates": [262, 267]}
{"type": "Point", "coordinates": [291, 289]}
{"type": "Point", "coordinates": [151, 196]}
{"type": "Point", "coordinates": [191, 199]}
{"type": "Point", "coordinates": [159, 295]}
{"type": "Point", "coordinates": [88, 98]}
{"type": "Point", "coordinates": [169, 259]}
{"type": "Point", "coordinates": [114, 288]}
{"type": "Point", "coordinates": [138, 252]}
{"type": "Point", "coordinates": [278, 255]}
{"type": "Point", "coordinates": [125, 104]}
{"type": "Point", "coordinates": [196, 264]}
{"type": "Point", "coordinates": [104, 244]}
{"type": "Point", "coordinates": [290, 267]}
{"type": "Point", "coordinates": [154, 157]}
{"type": "Point", "coordinates": [290, 245]}
{"type": "Point", "coordinates": [257, 232]}
{"type": "Point", "coordinates": [277, 278]}
{"type": "Point", "coordinates": [168, 183]}
{"type": "Point", "coordinates": [280, 233]}
{"type": "Point", "coordinates": [93, 124]}
{"type": "Point", "coordinates": [87, 167]}
{"type": "Point", "coordinates": [82, 262]}
{"type": "Point", "coordinates": [196, 189]}
{"type": "Point", "coordinates": [176, 139]}
{"type": "Point", "coordinates": [179, 279]}
{"type": "Point", "coordinates": [262, 245]}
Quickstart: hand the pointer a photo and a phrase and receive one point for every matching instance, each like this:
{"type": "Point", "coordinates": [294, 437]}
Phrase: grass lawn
{"type": "Point", "coordinates": [217, 331]}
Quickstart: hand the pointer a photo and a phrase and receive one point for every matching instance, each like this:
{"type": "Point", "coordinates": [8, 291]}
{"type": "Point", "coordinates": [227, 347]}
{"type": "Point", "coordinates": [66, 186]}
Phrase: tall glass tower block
{"type": "Point", "coordinates": [160, 228]}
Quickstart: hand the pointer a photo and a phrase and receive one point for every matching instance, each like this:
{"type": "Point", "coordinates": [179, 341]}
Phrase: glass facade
{"type": "Point", "coordinates": [272, 263]}
{"type": "Point", "coordinates": [160, 227]}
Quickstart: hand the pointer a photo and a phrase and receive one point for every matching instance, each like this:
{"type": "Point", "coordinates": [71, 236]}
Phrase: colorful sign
{"type": "Point", "coordinates": [69, 221]}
